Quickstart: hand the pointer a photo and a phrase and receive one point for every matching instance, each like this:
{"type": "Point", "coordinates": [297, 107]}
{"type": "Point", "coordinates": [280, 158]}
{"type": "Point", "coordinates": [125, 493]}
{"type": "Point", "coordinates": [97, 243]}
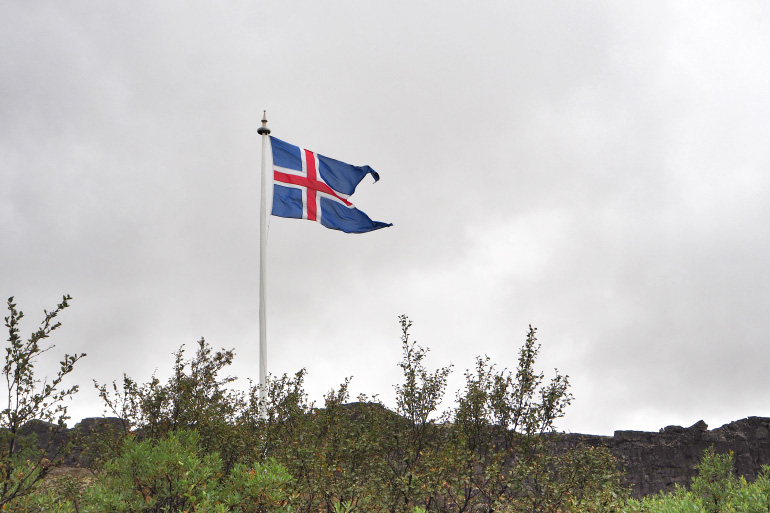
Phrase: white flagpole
{"type": "Point", "coordinates": [265, 133]}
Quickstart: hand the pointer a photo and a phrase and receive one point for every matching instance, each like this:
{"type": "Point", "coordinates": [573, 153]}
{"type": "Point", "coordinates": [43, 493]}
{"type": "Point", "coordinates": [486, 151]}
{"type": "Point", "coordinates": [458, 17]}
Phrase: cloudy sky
{"type": "Point", "coordinates": [600, 170]}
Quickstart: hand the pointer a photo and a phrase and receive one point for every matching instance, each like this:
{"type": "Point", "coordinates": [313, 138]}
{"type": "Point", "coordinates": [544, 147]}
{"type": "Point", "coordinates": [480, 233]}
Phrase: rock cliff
{"type": "Point", "coordinates": [657, 461]}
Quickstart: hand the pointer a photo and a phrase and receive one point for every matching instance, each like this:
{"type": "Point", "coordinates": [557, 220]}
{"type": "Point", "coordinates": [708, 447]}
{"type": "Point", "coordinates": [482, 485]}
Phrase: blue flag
{"type": "Point", "coordinates": [307, 185]}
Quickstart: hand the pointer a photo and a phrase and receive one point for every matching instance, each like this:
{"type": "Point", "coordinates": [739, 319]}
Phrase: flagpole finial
{"type": "Point", "coordinates": [263, 130]}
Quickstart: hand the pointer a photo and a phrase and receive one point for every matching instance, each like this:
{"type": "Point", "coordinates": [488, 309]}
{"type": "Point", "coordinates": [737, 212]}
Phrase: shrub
{"type": "Point", "coordinates": [714, 489]}
{"type": "Point", "coordinates": [174, 474]}
{"type": "Point", "coordinates": [715, 480]}
{"type": "Point", "coordinates": [412, 441]}
{"type": "Point", "coordinates": [503, 450]}
{"type": "Point", "coordinates": [194, 397]}
{"type": "Point", "coordinates": [22, 463]}
{"type": "Point", "coordinates": [61, 494]}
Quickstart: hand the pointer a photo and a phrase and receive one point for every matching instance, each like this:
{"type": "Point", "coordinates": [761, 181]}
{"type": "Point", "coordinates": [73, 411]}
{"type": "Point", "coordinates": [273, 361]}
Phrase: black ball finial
{"type": "Point", "coordinates": [263, 130]}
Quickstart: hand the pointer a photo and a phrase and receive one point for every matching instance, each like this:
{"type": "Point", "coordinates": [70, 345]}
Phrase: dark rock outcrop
{"type": "Point", "coordinates": [49, 437]}
{"type": "Point", "coordinates": [658, 461]}
{"type": "Point", "coordinates": [69, 447]}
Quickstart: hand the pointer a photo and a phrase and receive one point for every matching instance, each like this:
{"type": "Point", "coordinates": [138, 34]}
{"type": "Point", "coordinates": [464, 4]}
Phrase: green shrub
{"type": "Point", "coordinates": [503, 454]}
{"type": "Point", "coordinates": [194, 397]}
{"type": "Point", "coordinates": [678, 501]}
{"type": "Point", "coordinates": [715, 481]}
{"type": "Point", "coordinates": [715, 489]}
{"type": "Point", "coordinates": [61, 494]}
{"type": "Point", "coordinates": [174, 474]}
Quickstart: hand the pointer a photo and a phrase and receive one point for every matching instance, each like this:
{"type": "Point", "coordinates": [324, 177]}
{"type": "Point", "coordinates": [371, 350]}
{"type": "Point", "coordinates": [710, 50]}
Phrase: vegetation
{"type": "Point", "coordinates": [194, 444]}
{"type": "Point", "coordinates": [172, 474]}
{"type": "Point", "coordinates": [22, 463]}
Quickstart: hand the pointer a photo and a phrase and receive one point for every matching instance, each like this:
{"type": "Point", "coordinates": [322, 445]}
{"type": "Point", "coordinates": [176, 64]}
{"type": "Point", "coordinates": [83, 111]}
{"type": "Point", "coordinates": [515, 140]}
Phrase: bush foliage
{"type": "Point", "coordinates": [194, 443]}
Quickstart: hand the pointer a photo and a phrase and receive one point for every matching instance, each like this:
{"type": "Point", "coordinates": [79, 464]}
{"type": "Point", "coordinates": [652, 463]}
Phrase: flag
{"type": "Point", "coordinates": [309, 186]}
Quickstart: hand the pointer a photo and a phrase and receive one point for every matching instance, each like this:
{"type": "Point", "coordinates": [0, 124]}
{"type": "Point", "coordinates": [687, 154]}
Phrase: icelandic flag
{"type": "Point", "coordinates": [307, 185]}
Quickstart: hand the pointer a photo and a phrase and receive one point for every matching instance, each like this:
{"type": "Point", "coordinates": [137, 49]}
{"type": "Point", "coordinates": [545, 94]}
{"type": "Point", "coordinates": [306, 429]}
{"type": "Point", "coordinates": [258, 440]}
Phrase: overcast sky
{"type": "Point", "coordinates": [600, 170]}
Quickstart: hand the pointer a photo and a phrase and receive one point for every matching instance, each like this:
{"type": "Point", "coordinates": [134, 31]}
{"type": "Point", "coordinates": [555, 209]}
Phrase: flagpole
{"type": "Point", "coordinates": [265, 133]}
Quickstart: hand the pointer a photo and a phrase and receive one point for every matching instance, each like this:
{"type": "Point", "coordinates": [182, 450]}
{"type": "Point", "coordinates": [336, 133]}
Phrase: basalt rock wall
{"type": "Point", "coordinates": [658, 461]}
